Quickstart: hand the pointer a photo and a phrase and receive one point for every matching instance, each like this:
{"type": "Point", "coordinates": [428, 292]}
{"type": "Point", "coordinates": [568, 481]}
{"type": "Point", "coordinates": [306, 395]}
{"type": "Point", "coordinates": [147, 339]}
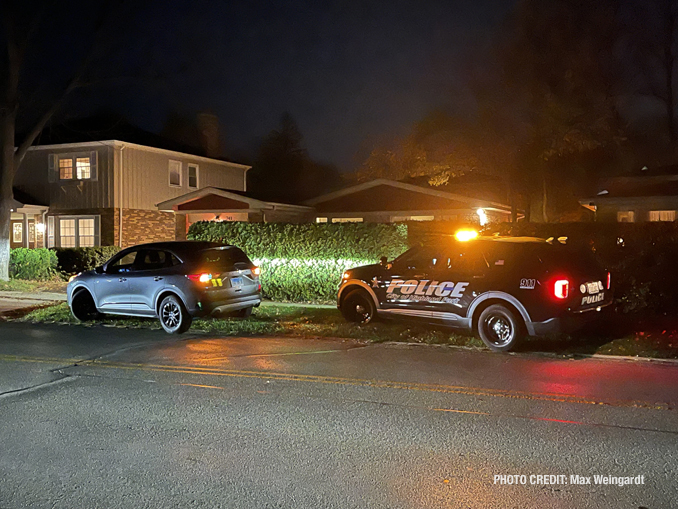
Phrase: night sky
{"type": "Point", "coordinates": [350, 73]}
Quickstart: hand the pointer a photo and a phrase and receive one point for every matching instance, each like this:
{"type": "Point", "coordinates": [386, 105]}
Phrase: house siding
{"type": "Point", "coordinates": [33, 179]}
{"type": "Point", "coordinates": [145, 178]}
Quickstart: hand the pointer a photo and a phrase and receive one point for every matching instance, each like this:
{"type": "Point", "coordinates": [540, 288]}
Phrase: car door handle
{"type": "Point", "coordinates": [157, 278]}
{"type": "Point", "coordinates": [122, 279]}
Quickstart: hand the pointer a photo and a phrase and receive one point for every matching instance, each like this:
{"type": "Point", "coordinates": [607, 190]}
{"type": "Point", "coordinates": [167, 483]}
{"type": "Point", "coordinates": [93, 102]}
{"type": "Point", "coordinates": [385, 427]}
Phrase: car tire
{"type": "Point", "coordinates": [173, 315]}
{"type": "Point", "coordinates": [499, 328]}
{"type": "Point", "coordinates": [83, 307]}
{"type": "Point", "coordinates": [358, 307]}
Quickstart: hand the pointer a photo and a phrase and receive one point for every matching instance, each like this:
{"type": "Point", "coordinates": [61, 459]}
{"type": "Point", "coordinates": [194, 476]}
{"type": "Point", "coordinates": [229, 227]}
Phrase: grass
{"type": "Point", "coordinates": [314, 322]}
{"type": "Point", "coordinates": [21, 285]}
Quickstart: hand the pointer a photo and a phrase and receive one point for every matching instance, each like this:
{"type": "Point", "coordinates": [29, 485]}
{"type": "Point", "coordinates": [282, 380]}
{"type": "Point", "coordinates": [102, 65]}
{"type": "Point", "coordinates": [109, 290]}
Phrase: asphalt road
{"type": "Point", "coordinates": [111, 418]}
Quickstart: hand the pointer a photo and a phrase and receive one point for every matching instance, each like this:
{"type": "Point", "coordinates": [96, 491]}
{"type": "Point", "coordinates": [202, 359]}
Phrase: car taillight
{"type": "Point", "coordinates": [561, 288]}
{"type": "Point", "coordinates": [203, 278]}
{"type": "Point", "coordinates": [256, 271]}
{"type": "Point", "coordinates": [609, 280]}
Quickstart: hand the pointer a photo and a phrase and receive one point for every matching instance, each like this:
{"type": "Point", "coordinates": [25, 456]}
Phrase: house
{"type": "Point", "coordinates": [390, 201]}
{"type": "Point", "coordinates": [104, 193]}
{"type": "Point", "coordinates": [645, 195]}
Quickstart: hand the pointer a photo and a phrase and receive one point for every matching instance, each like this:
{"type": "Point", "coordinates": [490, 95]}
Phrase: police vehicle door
{"type": "Point", "coordinates": [409, 283]}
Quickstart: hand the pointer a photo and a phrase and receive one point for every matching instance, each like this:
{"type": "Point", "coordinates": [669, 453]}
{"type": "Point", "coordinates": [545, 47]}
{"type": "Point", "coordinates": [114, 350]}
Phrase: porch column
{"type": "Point", "coordinates": [24, 236]}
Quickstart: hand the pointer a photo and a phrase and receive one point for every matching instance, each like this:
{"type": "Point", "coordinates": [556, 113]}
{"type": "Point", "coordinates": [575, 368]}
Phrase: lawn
{"type": "Point", "coordinates": [658, 340]}
{"type": "Point", "coordinates": [21, 285]}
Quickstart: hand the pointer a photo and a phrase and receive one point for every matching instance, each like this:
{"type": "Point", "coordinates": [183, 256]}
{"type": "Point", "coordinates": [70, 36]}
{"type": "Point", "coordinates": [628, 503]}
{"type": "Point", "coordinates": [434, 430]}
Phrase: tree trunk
{"type": "Point", "coordinates": [6, 180]}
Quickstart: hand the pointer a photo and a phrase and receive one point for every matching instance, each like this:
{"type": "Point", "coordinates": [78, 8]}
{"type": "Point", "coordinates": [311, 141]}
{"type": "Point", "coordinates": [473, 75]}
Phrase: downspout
{"type": "Point", "coordinates": [120, 203]}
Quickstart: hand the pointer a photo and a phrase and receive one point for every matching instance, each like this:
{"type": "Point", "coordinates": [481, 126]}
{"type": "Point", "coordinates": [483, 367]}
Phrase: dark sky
{"type": "Point", "coordinates": [350, 72]}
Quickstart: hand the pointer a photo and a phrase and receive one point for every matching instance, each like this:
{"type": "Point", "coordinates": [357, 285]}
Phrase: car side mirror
{"type": "Point", "coordinates": [99, 269]}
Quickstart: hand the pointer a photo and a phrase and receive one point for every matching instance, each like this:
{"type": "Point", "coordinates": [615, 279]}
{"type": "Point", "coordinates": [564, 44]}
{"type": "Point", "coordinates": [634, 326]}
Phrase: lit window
{"type": "Point", "coordinates": [662, 215]}
{"type": "Point", "coordinates": [625, 216]}
{"type": "Point", "coordinates": [31, 232]}
{"type": "Point", "coordinates": [402, 219]}
{"type": "Point", "coordinates": [50, 231]}
{"type": "Point", "coordinates": [193, 176]}
{"type": "Point", "coordinates": [347, 219]}
{"type": "Point", "coordinates": [175, 173]}
{"type": "Point", "coordinates": [86, 232]}
{"type": "Point", "coordinates": [82, 167]}
{"type": "Point", "coordinates": [66, 169]}
{"type": "Point", "coordinates": [67, 232]}
{"type": "Point", "coordinates": [320, 219]}
{"type": "Point", "coordinates": [17, 233]}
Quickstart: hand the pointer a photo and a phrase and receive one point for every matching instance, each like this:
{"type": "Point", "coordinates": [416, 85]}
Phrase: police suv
{"type": "Point", "coordinates": [501, 287]}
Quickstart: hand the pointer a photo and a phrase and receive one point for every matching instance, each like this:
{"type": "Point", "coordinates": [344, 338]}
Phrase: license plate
{"type": "Point", "coordinates": [236, 282]}
{"type": "Point", "coordinates": [592, 287]}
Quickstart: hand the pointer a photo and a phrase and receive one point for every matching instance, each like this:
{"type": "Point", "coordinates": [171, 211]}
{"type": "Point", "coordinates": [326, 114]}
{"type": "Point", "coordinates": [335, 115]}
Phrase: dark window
{"type": "Point", "coordinates": [224, 259]}
{"type": "Point", "coordinates": [153, 259]}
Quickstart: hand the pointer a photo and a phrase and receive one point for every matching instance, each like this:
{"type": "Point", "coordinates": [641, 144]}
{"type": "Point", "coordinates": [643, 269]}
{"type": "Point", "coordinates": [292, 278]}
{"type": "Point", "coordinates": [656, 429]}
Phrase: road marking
{"type": "Point", "coordinates": [464, 390]}
{"type": "Point", "coordinates": [203, 386]}
{"type": "Point", "coordinates": [446, 389]}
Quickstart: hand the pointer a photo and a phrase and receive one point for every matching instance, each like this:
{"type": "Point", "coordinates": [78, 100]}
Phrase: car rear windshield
{"type": "Point", "coordinates": [228, 258]}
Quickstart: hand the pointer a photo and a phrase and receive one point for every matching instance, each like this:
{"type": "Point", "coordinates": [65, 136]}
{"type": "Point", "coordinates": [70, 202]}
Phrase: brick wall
{"type": "Point", "coordinates": [142, 226]}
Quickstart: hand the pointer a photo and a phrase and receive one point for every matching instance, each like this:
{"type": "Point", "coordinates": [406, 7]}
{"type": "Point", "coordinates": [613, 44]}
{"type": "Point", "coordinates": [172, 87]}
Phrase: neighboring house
{"type": "Point", "coordinates": [104, 193]}
{"type": "Point", "coordinates": [214, 204]}
{"type": "Point", "coordinates": [390, 201]}
{"type": "Point", "coordinates": [647, 195]}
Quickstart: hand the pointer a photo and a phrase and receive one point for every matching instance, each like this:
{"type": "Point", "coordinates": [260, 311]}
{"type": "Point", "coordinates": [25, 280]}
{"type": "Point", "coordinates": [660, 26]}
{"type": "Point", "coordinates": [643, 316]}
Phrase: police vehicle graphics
{"type": "Point", "coordinates": [502, 287]}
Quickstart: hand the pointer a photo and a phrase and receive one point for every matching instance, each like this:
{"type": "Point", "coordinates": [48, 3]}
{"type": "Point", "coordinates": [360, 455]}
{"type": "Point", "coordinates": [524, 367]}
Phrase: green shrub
{"type": "Point", "coordinates": [27, 263]}
{"type": "Point", "coordinates": [79, 259]}
{"type": "Point", "coordinates": [304, 262]}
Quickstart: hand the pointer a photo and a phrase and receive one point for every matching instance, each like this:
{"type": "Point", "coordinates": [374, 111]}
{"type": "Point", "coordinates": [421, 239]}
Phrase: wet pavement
{"type": "Point", "coordinates": [132, 418]}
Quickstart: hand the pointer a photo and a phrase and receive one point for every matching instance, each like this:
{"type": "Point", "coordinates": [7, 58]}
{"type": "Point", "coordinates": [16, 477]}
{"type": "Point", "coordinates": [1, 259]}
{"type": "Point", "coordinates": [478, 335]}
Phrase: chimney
{"type": "Point", "coordinates": [208, 129]}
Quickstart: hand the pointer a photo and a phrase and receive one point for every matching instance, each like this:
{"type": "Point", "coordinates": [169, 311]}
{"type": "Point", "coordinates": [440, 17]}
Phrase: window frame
{"type": "Point", "coordinates": [169, 173]}
{"type": "Point", "coordinates": [76, 218]}
{"type": "Point", "coordinates": [659, 216]}
{"type": "Point", "coordinates": [50, 231]}
{"type": "Point", "coordinates": [629, 214]}
{"type": "Point", "coordinates": [197, 175]}
{"type": "Point", "coordinates": [73, 157]}
{"type": "Point", "coordinates": [20, 231]}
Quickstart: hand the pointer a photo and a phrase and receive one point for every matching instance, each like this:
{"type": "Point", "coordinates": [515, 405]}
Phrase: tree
{"type": "Point", "coordinates": [283, 170]}
{"type": "Point", "coordinates": [28, 46]}
{"type": "Point", "coordinates": [650, 37]}
{"type": "Point", "coordinates": [553, 95]}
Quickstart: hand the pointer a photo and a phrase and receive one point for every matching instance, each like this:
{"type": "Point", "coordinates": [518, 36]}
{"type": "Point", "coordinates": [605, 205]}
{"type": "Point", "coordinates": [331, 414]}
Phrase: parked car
{"type": "Point", "coordinates": [173, 281]}
{"type": "Point", "coordinates": [503, 288]}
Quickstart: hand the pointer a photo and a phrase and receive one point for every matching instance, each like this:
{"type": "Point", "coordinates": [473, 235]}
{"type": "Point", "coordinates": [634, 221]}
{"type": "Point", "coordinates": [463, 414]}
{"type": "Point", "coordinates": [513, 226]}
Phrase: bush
{"type": "Point", "coordinates": [27, 263]}
{"type": "Point", "coordinates": [304, 262]}
{"type": "Point", "coordinates": [79, 259]}
{"type": "Point", "coordinates": [641, 256]}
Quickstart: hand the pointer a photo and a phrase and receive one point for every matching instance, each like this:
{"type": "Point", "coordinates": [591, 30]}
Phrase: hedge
{"type": "Point", "coordinates": [79, 259]}
{"type": "Point", "coordinates": [304, 262]}
{"type": "Point", "coordinates": [27, 263]}
{"type": "Point", "coordinates": [643, 257]}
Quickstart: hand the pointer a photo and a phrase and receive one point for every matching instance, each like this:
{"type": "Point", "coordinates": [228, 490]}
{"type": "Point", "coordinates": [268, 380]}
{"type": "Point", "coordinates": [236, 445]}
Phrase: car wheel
{"type": "Point", "coordinates": [83, 307]}
{"type": "Point", "coordinates": [499, 328]}
{"type": "Point", "coordinates": [358, 307]}
{"type": "Point", "coordinates": [173, 315]}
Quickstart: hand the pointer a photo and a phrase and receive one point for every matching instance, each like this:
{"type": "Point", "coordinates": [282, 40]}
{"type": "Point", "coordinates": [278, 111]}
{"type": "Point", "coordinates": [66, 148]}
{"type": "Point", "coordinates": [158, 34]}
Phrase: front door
{"type": "Point", "coordinates": [112, 287]}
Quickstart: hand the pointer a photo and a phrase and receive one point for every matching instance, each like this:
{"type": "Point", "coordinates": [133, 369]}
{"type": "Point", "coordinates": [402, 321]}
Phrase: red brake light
{"type": "Point", "coordinates": [561, 289]}
{"type": "Point", "coordinates": [203, 278]}
{"type": "Point", "coordinates": [609, 280]}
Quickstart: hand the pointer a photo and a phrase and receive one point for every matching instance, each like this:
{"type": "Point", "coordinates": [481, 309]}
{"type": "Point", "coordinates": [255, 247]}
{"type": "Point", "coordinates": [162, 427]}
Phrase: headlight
{"type": "Point", "coordinates": [74, 276]}
{"type": "Point", "coordinates": [345, 275]}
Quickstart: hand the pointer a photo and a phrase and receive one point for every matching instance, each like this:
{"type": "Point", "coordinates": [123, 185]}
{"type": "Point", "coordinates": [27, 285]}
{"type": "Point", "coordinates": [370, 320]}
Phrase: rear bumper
{"type": "Point", "coordinates": [567, 323]}
{"type": "Point", "coordinates": [205, 308]}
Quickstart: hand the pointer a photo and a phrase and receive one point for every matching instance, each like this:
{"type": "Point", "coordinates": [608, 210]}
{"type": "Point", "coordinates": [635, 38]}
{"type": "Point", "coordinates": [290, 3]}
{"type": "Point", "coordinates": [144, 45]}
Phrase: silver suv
{"type": "Point", "coordinates": [173, 281]}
